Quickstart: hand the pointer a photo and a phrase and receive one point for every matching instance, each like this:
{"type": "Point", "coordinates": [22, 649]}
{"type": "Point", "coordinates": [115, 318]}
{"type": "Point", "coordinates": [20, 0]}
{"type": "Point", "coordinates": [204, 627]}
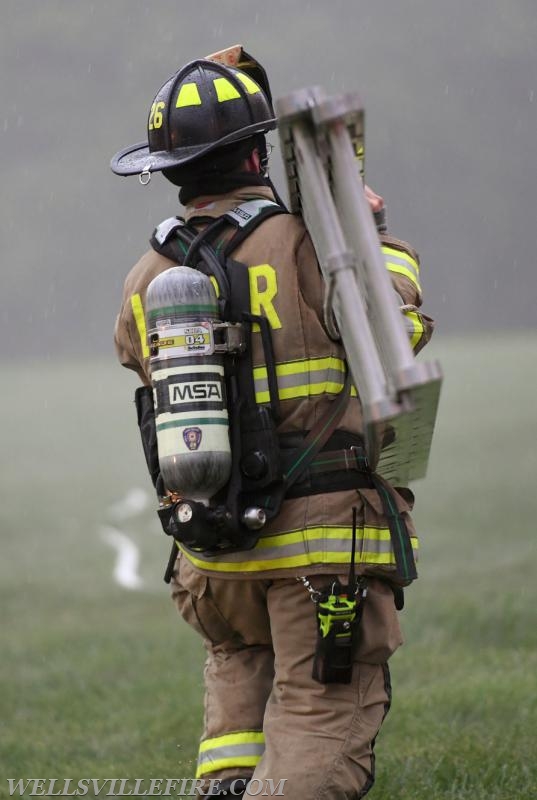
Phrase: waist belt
{"type": "Point", "coordinates": [340, 465]}
{"type": "Point", "coordinates": [348, 468]}
{"type": "Point", "coordinates": [334, 471]}
{"type": "Point", "coordinates": [353, 458]}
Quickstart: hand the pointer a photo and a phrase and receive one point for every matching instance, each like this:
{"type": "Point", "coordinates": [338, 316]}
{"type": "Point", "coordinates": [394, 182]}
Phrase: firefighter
{"type": "Point", "coordinates": [275, 707]}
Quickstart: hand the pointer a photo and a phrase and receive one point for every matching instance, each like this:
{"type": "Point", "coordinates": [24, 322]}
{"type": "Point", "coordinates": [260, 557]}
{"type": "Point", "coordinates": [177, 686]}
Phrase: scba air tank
{"type": "Point", "coordinates": [188, 383]}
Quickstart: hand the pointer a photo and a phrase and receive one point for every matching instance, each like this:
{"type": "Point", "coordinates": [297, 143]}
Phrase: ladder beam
{"type": "Point", "coordinates": [321, 137]}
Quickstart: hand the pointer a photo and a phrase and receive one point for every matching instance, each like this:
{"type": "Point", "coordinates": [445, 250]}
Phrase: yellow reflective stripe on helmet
{"type": "Point", "coordinates": [250, 85]}
{"type": "Point", "coordinates": [242, 749]}
{"type": "Point", "coordinates": [225, 90]}
{"type": "Point", "coordinates": [139, 318]}
{"type": "Point", "coordinates": [308, 377]}
{"type": "Point", "coordinates": [188, 96]}
{"type": "Point", "coordinates": [415, 326]}
{"type": "Point", "coordinates": [403, 264]}
{"type": "Point", "coordinates": [305, 548]}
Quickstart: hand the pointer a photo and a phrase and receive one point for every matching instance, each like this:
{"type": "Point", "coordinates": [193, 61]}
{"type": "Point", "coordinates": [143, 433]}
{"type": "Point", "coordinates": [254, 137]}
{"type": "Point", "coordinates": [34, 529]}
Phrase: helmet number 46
{"type": "Point", "coordinates": [155, 115]}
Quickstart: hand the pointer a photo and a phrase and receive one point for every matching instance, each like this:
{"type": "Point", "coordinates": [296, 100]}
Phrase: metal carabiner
{"type": "Point", "coordinates": [145, 175]}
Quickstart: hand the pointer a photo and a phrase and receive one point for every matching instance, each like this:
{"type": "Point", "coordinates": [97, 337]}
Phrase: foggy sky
{"type": "Point", "coordinates": [450, 91]}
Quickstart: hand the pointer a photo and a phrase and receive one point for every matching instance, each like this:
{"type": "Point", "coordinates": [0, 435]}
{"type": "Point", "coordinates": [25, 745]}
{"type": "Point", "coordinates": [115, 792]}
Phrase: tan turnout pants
{"type": "Point", "coordinates": [265, 716]}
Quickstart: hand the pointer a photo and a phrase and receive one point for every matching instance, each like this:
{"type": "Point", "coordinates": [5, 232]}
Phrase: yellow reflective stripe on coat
{"type": "Point", "coordinates": [306, 548]}
{"type": "Point", "coordinates": [139, 318]}
{"type": "Point", "coordinates": [402, 263]}
{"type": "Point", "coordinates": [306, 377]}
{"type": "Point", "coordinates": [414, 326]}
{"type": "Point", "coordinates": [241, 749]}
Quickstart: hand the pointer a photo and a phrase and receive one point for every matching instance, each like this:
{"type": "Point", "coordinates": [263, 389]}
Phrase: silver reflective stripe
{"type": "Point", "coordinates": [407, 261]}
{"type": "Point", "coordinates": [414, 326]}
{"type": "Point", "coordinates": [401, 264]}
{"type": "Point", "coordinates": [319, 544]}
{"type": "Point", "coordinates": [230, 751]}
{"type": "Point", "coordinates": [242, 214]}
{"type": "Point", "coordinates": [304, 378]}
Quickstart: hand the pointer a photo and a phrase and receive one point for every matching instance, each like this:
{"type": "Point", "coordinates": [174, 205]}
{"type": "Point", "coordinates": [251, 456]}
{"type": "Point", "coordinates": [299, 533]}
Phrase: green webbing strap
{"type": "Point", "coordinates": [319, 435]}
{"type": "Point", "coordinates": [311, 446]}
{"type": "Point", "coordinates": [339, 461]}
{"type": "Point", "coordinates": [400, 537]}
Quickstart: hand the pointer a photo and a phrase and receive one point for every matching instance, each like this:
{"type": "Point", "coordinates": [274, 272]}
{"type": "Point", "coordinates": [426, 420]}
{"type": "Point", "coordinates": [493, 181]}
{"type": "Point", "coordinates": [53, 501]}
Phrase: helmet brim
{"type": "Point", "coordinates": [137, 158]}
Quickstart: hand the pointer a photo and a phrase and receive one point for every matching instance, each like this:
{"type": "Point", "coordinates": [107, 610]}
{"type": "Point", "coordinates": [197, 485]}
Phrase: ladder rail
{"type": "Point", "coordinates": [360, 231]}
{"type": "Point", "coordinates": [321, 137]}
{"type": "Point", "coordinates": [337, 264]}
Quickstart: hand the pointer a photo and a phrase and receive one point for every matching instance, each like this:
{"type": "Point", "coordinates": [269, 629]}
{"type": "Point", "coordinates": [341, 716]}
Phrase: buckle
{"type": "Point", "coordinates": [360, 458]}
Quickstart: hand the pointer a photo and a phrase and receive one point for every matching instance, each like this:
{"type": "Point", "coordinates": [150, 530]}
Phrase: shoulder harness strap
{"type": "Point", "coordinates": [168, 239]}
{"type": "Point", "coordinates": [174, 237]}
{"type": "Point", "coordinates": [247, 217]}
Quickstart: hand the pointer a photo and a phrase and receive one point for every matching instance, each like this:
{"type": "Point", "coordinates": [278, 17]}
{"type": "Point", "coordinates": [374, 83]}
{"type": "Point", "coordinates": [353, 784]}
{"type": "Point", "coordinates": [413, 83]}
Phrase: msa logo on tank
{"type": "Point", "coordinates": [196, 391]}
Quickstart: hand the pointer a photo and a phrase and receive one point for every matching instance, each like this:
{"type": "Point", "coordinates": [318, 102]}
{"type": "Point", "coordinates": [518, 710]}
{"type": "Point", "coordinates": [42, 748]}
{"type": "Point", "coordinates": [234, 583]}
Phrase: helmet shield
{"type": "Point", "coordinates": [204, 106]}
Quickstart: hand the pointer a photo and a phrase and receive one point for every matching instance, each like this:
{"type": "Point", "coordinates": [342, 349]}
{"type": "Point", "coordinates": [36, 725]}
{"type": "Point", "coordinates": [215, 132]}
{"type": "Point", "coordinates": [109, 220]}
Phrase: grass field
{"type": "Point", "coordinates": [101, 681]}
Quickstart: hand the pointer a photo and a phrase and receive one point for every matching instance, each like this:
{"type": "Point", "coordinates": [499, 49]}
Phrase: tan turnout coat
{"type": "Point", "coordinates": [311, 534]}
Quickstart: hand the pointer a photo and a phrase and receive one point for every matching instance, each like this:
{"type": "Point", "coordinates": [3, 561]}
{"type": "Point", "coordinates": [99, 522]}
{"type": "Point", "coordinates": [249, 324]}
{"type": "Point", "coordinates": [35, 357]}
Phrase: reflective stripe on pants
{"type": "Point", "coordinates": [239, 749]}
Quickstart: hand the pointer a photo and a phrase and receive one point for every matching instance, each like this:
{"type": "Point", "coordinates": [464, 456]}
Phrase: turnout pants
{"type": "Point", "coordinates": [265, 716]}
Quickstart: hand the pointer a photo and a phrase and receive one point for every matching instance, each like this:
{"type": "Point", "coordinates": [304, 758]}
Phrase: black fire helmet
{"type": "Point", "coordinates": [204, 106]}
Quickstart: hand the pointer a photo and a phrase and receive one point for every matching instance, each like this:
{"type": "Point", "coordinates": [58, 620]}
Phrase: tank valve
{"type": "Point", "coordinates": [254, 518]}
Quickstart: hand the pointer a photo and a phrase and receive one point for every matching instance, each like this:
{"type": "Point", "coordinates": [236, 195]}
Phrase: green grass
{"type": "Point", "coordinates": [98, 681]}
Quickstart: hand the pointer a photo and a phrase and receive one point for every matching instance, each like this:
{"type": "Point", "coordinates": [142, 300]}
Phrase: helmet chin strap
{"type": "Point", "coordinates": [264, 151]}
{"type": "Point", "coordinates": [263, 174]}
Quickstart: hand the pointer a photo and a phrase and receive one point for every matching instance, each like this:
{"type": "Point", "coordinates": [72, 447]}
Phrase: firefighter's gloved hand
{"type": "Point", "coordinates": [378, 207]}
{"type": "Point", "coordinates": [375, 201]}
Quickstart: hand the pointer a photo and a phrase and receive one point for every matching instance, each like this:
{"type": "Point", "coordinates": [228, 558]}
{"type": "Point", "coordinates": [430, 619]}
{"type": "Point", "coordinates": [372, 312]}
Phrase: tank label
{"type": "Point", "coordinates": [176, 341]}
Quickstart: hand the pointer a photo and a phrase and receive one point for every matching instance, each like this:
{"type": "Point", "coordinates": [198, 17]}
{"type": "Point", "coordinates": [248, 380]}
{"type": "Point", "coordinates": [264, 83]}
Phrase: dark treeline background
{"type": "Point", "coordinates": [450, 94]}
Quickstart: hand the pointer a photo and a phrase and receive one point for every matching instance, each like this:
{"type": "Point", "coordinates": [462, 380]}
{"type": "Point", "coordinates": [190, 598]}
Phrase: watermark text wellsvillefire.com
{"type": "Point", "coordinates": [137, 787]}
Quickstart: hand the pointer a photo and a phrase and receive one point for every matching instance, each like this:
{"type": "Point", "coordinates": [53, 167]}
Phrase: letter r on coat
{"type": "Point", "coordinates": [263, 290]}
